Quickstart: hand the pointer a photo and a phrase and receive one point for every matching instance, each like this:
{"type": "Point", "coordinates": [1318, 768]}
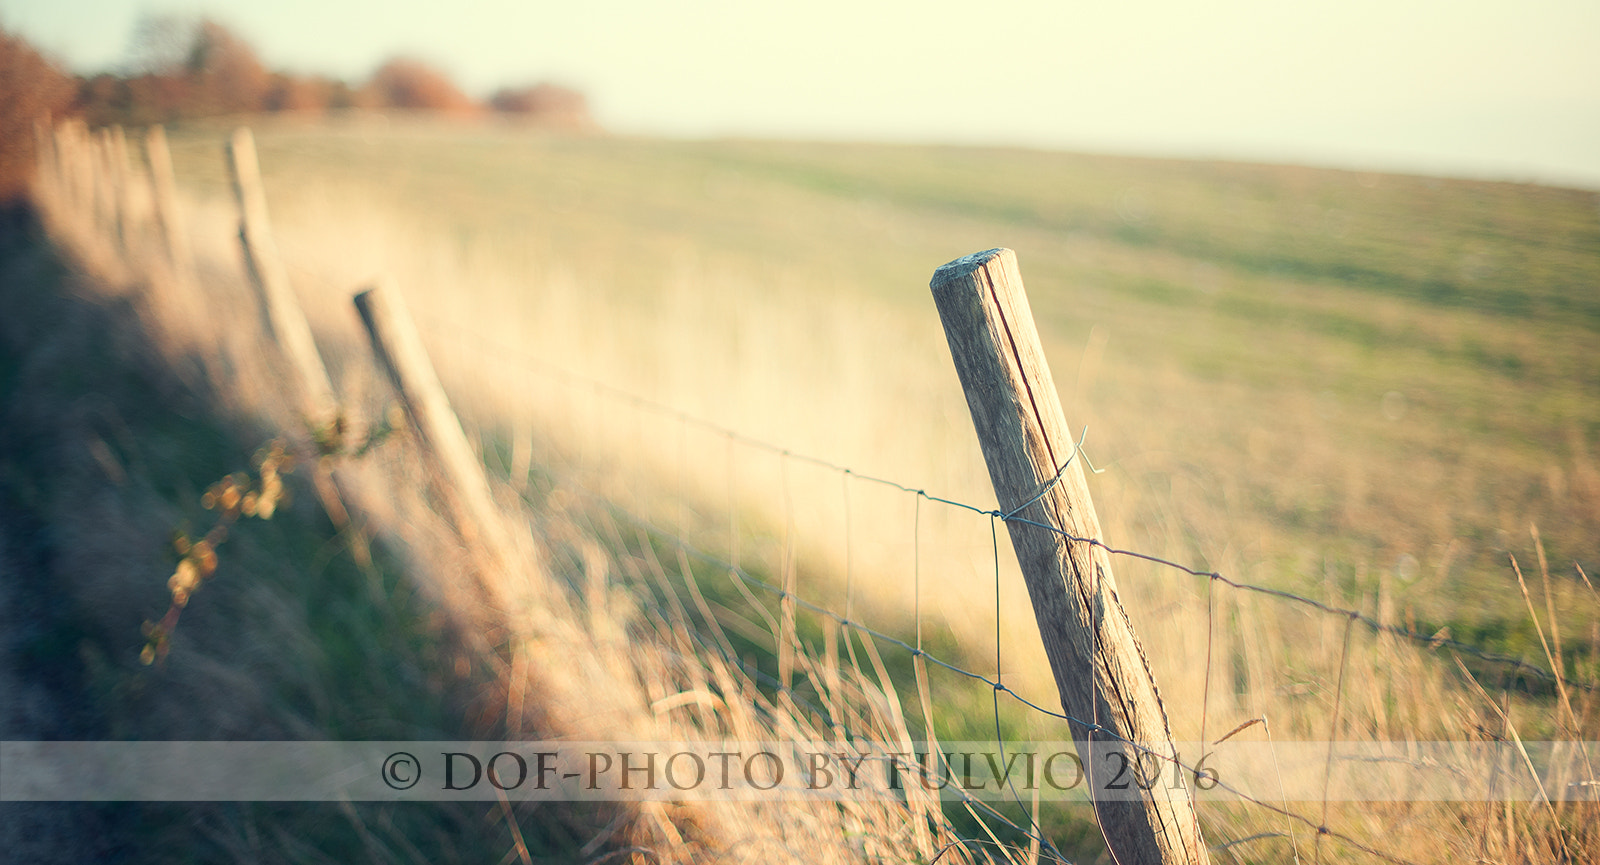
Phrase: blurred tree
{"type": "Point", "coordinates": [287, 92]}
{"type": "Point", "coordinates": [31, 88]}
{"type": "Point", "coordinates": [545, 103]}
{"type": "Point", "coordinates": [178, 67]}
{"type": "Point", "coordinates": [150, 98]}
{"type": "Point", "coordinates": [409, 83]}
{"type": "Point", "coordinates": [226, 75]}
{"type": "Point", "coordinates": [160, 45]}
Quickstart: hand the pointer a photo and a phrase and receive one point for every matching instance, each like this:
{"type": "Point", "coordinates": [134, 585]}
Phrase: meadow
{"type": "Point", "coordinates": [1368, 389]}
{"type": "Point", "coordinates": [1312, 377]}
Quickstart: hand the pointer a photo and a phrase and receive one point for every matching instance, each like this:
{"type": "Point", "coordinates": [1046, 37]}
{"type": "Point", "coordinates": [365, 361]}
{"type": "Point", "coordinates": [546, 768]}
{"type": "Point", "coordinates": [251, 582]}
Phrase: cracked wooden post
{"type": "Point", "coordinates": [1099, 667]}
{"type": "Point", "coordinates": [463, 483]}
{"type": "Point", "coordinates": [271, 282]}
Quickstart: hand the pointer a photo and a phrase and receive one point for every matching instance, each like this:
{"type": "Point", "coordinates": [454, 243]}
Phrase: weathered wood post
{"type": "Point", "coordinates": [164, 192]}
{"type": "Point", "coordinates": [1099, 666]}
{"type": "Point", "coordinates": [271, 281]}
{"type": "Point", "coordinates": [463, 483]}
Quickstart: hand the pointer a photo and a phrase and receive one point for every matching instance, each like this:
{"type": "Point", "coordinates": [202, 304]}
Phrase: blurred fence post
{"type": "Point", "coordinates": [164, 192]}
{"type": "Point", "coordinates": [1098, 664]}
{"type": "Point", "coordinates": [70, 162]}
{"type": "Point", "coordinates": [289, 327]}
{"type": "Point", "coordinates": [45, 159]}
{"type": "Point", "coordinates": [271, 281]}
{"type": "Point", "coordinates": [105, 187]}
{"type": "Point", "coordinates": [122, 189]}
{"type": "Point", "coordinates": [464, 485]}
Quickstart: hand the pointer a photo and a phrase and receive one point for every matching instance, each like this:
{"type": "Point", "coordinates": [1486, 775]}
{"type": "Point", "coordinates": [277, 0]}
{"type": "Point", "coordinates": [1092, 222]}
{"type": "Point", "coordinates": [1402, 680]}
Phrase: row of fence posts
{"type": "Point", "coordinates": [91, 172]}
{"type": "Point", "coordinates": [1099, 667]}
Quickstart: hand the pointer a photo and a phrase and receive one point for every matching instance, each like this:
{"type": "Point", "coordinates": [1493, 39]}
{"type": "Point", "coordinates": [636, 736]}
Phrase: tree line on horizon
{"type": "Point", "coordinates": [182, 69]}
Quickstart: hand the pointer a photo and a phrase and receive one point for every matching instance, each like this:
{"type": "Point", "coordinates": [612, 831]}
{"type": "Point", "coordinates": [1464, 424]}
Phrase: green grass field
{"type": "Point", "coordinates": [1364, 388]}
{"type": "Point", "coordinates": [1312, 377]}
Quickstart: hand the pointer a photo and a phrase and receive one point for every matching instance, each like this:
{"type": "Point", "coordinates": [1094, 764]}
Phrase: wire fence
{"type": "Point", "coordinates": [750, 584]}
{"type": "Point", "coordinates": [460, 336]}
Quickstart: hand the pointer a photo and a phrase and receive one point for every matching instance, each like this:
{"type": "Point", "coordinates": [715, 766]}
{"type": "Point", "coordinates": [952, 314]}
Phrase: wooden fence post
{"type": "Point", "coordinates": [271, 281]}
{"type": "Point", "coordinates": [69, 163]}
{"type": "Point", "coordinates": [288, 322]}
{"type": "Point", "coordinates": [122, 188]}
{"type": "Point", "coordinates": [105, 185]}
{"type": "Point", "coordinates": [45, 159]}
{"type": "Point", "coordinates": [88, 173]}
{"type": "Point", "coordinates": [163, 189]}
{"type": "Point", "coordinates": [1099, 666]}
{"type": "Point", "coordinates": [465, 487]}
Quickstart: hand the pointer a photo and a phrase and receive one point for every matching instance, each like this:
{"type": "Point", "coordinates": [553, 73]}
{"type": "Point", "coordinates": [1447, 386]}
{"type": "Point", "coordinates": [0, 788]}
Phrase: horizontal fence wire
{"type": "Point", "coordinates": [473, 340]}
{"type": "Point", "coordinates": [1032, 833]}
{"type": "Point", "coordinates": [1087, 726]}
{"type": "Point", "coordinates": [461, 335]}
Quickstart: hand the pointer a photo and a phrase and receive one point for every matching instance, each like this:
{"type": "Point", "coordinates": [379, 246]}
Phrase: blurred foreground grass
{"type": "Point", "coordinates": [106, 448]}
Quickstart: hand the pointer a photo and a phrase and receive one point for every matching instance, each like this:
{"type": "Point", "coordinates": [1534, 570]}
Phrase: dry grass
{"type": "Point", "coordinates": [1239, 392]}
{"type": "Point", "coordinates": [599, 667]}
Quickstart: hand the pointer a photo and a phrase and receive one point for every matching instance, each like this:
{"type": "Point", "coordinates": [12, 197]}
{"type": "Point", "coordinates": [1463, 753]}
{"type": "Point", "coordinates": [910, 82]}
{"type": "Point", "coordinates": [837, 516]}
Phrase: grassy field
{"type": "Point", "coordinates": [1309, 377]}
{"type": "Point", "coordinates": [1364, 388]}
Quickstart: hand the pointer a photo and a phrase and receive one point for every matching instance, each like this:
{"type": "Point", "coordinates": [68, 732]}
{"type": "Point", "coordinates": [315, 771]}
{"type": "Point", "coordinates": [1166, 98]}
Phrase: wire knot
{"type": "Point", "coordinates": [1051, 484]}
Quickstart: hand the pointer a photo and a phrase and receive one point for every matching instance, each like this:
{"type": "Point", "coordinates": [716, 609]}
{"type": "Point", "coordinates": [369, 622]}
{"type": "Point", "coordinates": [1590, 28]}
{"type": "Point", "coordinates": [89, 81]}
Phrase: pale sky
{"type": "Point", "coordinates": [1488, 89]}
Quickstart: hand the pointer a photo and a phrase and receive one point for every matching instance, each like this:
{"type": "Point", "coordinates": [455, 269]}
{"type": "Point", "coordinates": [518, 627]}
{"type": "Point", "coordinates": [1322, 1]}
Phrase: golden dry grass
{"type": "Point", "coordinates": [1260, 412]}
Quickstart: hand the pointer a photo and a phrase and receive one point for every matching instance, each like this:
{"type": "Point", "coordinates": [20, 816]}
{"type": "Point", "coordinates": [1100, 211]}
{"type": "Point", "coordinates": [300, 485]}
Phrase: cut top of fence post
{"type": "Point", "coordinates": [984, 296]}
{"type": "Point", "coordinates": [1099, 667]}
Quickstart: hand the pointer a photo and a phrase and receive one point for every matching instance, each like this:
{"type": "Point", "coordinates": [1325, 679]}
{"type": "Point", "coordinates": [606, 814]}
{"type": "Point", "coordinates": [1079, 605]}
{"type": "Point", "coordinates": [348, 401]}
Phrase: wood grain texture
{"type": "Point", "coordinates": [271, 281]}
{"type": "Point", "coordinates": [1099, 667]}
